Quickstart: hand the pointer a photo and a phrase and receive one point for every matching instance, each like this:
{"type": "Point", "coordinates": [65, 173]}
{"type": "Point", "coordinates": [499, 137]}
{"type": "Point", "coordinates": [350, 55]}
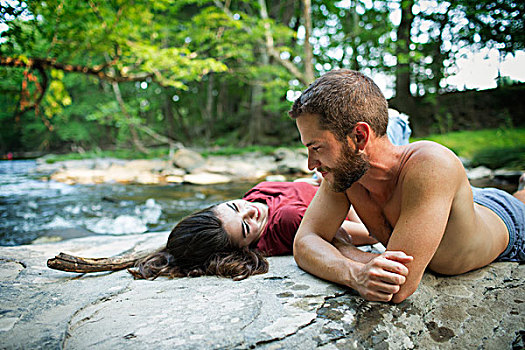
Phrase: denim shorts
{"type": "Point", "coordinates": [512, 211]}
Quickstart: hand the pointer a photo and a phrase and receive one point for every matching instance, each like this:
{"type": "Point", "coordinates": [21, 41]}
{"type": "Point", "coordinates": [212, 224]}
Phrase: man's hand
{"type": "Point", "coordinates": [381, 277]}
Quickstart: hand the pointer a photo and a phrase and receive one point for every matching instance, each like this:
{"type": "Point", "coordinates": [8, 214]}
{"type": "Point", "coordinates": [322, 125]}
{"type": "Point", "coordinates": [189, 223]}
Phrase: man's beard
{"type": "Point", "coordinates": [350, 169]}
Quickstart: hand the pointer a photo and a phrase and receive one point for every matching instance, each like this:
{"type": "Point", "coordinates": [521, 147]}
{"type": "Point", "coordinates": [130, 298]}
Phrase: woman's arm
{"type": "Point", "coordinates": [345, 243]}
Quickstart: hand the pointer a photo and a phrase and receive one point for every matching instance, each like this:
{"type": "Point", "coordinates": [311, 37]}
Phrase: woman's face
{"type": "Point", "coordinates": [243, 221]}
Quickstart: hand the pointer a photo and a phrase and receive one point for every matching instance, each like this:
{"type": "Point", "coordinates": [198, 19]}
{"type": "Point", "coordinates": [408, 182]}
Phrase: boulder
{"type": "Point", "coordinates": [152, 165]}
{"type": "Point", "coordinates": [187, 159]}
{"type": "Point", "coordinates": [478, 173]}
{"type": "Point", "coordinates": [285, 308]}
{"type": "Point", "coordinates": [206, 179]}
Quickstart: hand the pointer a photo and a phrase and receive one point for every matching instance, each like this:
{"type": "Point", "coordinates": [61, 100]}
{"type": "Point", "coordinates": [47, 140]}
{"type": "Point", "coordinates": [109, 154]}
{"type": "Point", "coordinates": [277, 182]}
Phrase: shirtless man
{"type": "Point", "coordinates": [415, 199]}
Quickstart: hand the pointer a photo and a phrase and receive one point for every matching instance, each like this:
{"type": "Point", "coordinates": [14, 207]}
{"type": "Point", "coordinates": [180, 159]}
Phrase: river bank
{"type": "Point", "coordinates": [185, 166]}
{"type": "Point", "coordinates": [188, 166]}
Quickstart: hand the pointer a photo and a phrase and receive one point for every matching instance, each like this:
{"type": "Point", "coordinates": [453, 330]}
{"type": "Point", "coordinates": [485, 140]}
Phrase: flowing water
{"type": "Point", "coordinates": [32, 208]}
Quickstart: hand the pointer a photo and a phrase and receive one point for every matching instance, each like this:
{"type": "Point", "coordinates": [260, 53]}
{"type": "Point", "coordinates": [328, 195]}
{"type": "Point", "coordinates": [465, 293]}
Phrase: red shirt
{"type": "Point", "coordinates": [287, 203]}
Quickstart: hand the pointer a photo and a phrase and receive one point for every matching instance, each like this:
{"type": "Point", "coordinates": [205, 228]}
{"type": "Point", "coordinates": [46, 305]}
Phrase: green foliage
{"type": "Point", "coordinates": [497, 23]}
{"type": "Point", "coordinates": [470, 143]}
{"type": "Point", "coordinates": [160, 153]}
{"type": "Point", "coordinates": [496, 158]}
{"type": "Point", "coordinates": [199, 72]}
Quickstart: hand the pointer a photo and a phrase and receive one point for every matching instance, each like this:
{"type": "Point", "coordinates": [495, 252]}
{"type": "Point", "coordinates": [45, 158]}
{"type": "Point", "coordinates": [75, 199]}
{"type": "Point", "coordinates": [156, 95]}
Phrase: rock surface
{"type": "Point", "coordinates": [283, 309]}
{"type": "Point", "coordinates": [186, 166]}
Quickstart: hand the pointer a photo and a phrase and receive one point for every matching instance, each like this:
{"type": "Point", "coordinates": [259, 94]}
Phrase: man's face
{"type": "Point", "coordinates": [339, 164]}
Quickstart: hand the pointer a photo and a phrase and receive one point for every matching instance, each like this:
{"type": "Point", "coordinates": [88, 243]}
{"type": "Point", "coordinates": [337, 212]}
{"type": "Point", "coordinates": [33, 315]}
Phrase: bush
{"type": "Point", "coordinates": [495, 158]}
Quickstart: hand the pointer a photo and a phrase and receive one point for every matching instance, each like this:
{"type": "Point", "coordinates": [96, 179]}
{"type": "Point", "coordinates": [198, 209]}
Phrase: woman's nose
{"type": "Point", "coordinates": [249, 211]}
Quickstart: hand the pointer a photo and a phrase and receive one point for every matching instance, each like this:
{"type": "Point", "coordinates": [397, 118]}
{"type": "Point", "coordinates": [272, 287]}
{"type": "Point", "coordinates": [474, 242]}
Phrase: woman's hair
{"type": "Point", "coordinates": [199, 245]}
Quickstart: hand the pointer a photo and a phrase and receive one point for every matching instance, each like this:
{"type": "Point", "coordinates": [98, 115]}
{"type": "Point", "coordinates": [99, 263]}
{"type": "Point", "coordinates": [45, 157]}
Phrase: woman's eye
{"type": "Point", "coordinates": [316, 148]}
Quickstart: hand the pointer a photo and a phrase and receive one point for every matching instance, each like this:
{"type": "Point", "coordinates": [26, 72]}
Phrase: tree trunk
{"type": "Point", "coordinates": [270, 49]}
{"type": "Point", "coordinates": [403, 52]}
{"type": "Point", "coordinates": [132, 129]}
{"type": "Point", "coordinates": [118, 96]}
{"type": "Point", "coordinates": [169, 116]}
{"type": "Point", "coordinates": [354, 20]}
{"type": "Point", "coordinates": [208, 112]}
{"type": "Point", "coordinates": [308, 53]}
{"type": "Point", "coordinates": [256, 114]}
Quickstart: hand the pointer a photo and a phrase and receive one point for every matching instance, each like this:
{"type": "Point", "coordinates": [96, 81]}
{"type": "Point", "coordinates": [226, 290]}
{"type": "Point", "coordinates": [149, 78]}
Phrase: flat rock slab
{"type": "Point", "coordinates": [283, 309]}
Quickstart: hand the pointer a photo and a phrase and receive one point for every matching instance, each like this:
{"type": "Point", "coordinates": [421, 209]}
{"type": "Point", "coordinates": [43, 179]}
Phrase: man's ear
{"type": "Point", "coordinates": [361, 135]}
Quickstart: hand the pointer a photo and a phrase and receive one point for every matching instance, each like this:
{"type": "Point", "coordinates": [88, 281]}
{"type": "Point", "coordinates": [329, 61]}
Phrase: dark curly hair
{"type": "Point", "coordinates": [199, 245]}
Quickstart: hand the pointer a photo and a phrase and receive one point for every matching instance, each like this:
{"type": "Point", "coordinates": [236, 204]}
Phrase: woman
{"type": "Point", "coordinates": [232, 238]}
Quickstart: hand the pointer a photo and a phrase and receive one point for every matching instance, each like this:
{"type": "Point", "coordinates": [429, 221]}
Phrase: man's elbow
{"type": "Point", "coordinates": [403, 293]}
{"type": "Point", "coordinates": [298, 248]}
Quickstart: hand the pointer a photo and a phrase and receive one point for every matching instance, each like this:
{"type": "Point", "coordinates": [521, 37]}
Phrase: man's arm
{"type": "Point", "coordinates": [428, 190]}
{"type": "Point", "coordinates": [375, 277]}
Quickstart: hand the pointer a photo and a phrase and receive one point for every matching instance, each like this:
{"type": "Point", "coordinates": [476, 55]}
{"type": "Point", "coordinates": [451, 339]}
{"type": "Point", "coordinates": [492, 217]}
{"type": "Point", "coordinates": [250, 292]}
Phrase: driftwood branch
{"type": "Point", "coordinates": [71, 263]}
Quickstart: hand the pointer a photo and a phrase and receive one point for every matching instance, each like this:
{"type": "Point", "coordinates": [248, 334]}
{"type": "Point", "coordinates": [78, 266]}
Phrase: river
{"type": "Point", "coordinates": [35, 209]}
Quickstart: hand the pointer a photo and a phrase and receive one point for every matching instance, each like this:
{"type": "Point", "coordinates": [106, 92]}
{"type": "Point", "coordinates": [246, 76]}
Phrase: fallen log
{"type": "Point", "coordinates": [71, 263]}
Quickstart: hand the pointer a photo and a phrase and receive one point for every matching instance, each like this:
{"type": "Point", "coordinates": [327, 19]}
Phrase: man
{"type": "Point", "coordinates": [415, 199]}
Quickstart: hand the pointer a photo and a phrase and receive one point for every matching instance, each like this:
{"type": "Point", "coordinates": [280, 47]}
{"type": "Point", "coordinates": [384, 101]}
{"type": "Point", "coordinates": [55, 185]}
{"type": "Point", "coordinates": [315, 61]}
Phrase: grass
{"type": "Point", "coordinates": [118, 153]}
{"type": "Point", "coordinates": [161, 152]}
{"type": "Point", "coordinates": [493, 148]}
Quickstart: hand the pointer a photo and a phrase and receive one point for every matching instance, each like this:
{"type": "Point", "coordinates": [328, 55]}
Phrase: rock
{"type": "Point", "coordinates": [150, 165]}
{"type": "Point", "coordinates": [172, 172]}
{"type": "Point", "coordinates": [465, 161]}
{"type": "Point", "coordinates": [511, 176]}
{"type": "Point", "coordinates": [239, 168]}
{"type": "Point", "coordinates": [173, 175]}
{"type": "Point", "coordinates": [80, 176]}
{"type": "Point", "coordinates": [174, 179]}
{"type": "Point", "coordinates": [478, 173]}
{"type": "Point", "coordinates": [275, 178]}
{"type": "Point", "coordinates": [187, 159]}
{"type": "Point", "coordinates": [285, 308]}
{"type": "Point", "coordinates": [147, 178]}
{"type": "Point", "coordinates": [291, 162]}
{"type": "Point", "coordinates": [206, 179]}
{"type": "Point", "coordinates": [283, 153]}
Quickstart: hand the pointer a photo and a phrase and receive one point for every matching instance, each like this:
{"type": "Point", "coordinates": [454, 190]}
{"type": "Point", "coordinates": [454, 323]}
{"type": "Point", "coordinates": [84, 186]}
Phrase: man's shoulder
{"type": "Point", "coordinates": [430, 149]}
{"type": "Point", "coordinates": [430, 154]}
{"type": "Point", "coordinates": [431, 162]}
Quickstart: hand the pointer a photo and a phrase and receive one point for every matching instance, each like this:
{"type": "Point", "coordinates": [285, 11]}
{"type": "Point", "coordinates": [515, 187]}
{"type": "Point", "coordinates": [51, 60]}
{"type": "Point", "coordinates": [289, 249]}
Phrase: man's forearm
{"type": "Point", "coordinates": [379, 279]}
{"type": "Point", "coordinates": [322, 259]}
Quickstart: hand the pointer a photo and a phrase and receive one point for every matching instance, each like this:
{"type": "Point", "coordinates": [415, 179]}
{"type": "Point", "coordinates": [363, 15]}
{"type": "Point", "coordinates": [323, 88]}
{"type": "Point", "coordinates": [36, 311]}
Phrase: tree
{"type": "Point", "coordinates": [113, 41]}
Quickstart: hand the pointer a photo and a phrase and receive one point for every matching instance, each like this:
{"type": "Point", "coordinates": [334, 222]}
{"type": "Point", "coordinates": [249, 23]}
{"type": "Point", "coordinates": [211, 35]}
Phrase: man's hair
{"type": "Point", "coordinates": [342, 98]}
{"type": "Point", "coordinates": [199, 245]}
